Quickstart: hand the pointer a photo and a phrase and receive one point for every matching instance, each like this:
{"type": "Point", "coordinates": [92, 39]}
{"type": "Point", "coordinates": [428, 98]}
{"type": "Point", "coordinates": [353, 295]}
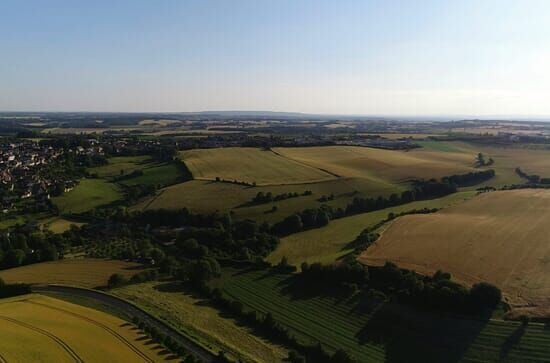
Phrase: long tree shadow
{"type": "Point", "coordinates": [409, 335]}
{"type": "Point", "coordinates": [512, 341]}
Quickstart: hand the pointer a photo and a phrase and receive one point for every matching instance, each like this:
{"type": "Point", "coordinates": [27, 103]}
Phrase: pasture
{"type": "Point", "coordinates": [414, 336]}
{"type": "Point", "coordinates": [250, 165]}
{"type": "Point", "coordinates": [208, 196]}
{"type": "Point", "coordinates": [500, 237]}
{"type": "Point", "coordinates": [199, 320]}
{"type": "Point", "coordinates": [154, 173]}
{"type": "Point", "coordinates": [37, 328]}
{"type": "Point", "coordinates": [88, 272]}
{"type": "Point", "coordinates": [88, 194]}
{"type": "Point", "coordinates": [329, 243]}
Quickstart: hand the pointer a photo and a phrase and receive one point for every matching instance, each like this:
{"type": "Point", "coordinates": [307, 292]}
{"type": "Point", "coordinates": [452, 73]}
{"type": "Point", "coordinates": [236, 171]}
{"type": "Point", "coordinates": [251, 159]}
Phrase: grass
{"type": "Point", "coordinates": [499, 237]}
{"type": "Point", "coordinates": [39, 328]}
{"type": "Point", "coordinates": [154, 173]}
{"type": "Point", "coordinates": [193, 315]}
{"type": "Point", "coordinates": [391, 334]}
{"type": "Point", "coordinates": [88, 194]}
{"type": "Point", "coordinates": [329, 243]}
{"type": "Point", "coordinates": [251, 165]}
{"type": "Point", "coordinates": [207, 197]}
{"type": "Point", "coordinates": [88, 272]}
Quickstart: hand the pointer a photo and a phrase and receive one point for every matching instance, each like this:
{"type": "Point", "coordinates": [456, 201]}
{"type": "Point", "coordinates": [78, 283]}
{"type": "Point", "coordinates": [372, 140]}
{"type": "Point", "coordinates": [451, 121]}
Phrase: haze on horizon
{"type": "Point", "coordinates": [350, 57]}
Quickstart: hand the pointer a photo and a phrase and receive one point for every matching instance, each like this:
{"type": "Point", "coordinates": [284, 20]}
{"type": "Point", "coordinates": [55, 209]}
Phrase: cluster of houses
{"type": "Point", "coordinates": [21, 163]}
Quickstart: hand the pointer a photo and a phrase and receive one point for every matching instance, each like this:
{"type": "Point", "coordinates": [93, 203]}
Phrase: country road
{"type": "Point", "coordinates": [130, 309]}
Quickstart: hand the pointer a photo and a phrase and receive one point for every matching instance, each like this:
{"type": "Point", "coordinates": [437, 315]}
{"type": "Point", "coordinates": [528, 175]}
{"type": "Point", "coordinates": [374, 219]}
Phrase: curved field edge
{"type": "Point", "coordinates": [69, 326]}
{"type": "Point", "coordinates": [500, 237]}
{"type": "Point", "coordinates": [169, 302]}
{"type": "Point", "coordinates": [330, 243]}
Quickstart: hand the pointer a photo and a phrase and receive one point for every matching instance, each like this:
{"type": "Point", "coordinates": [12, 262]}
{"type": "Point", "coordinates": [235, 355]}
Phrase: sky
{"type": "Point", "coordinates": [475, 58]}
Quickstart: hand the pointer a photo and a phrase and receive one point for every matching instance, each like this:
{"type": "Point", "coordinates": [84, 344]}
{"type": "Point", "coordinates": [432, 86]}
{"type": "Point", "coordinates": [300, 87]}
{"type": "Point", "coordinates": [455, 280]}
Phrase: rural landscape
{"type": "Point", "coordinates": [208, 181]}
{"type": "Point", "coordinates": [289, 243]}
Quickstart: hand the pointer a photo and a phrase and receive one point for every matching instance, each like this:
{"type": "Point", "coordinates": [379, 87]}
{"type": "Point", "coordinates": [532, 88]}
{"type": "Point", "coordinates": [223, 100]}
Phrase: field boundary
{"type": "Point", "coordinates": [132, 309]}
{"type": "Point", "coordinates": [103, 326]}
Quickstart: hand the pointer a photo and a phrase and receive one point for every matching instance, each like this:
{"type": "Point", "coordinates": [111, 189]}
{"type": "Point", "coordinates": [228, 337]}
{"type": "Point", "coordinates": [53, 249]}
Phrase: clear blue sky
{"type": "Point", "coordinates": [352, 57]}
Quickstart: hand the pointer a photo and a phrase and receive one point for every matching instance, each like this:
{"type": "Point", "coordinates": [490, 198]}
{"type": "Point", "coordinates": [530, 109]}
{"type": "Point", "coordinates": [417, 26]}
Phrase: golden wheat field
{"type": "Point", "coordinates": [500, 237]}
{"type": "Point", "coordinates": [36, 328]}
{"type": "Point", "coordinates": [250, 165]}
{"type": "Point", "coordinates": [382, 165]}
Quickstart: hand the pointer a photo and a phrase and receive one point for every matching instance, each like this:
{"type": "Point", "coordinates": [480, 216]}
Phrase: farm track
{"type": "Point", "coordinates": [102, 326]}
{"type": "Point", "coordinates": [132, 310]}
{"type": "Point", "coordinates": [2, 359]}
{"type": "Point", "coordinates": [46, 333]}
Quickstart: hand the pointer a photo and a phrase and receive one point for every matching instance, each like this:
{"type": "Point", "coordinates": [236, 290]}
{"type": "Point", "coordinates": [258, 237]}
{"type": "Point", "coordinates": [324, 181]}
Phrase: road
{"type": "Point", "coordinates": [130, 309]}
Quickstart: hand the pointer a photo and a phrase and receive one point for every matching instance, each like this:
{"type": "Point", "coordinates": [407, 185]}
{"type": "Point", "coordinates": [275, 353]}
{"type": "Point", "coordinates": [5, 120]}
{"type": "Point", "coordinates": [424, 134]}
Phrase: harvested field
{"type": "Point", "coordinates": [329, 243]}
{"type": "Point", "coordinates": [250, 165]}
{"type": "Point", "coordinates": [500, 237]}
{"type": "Point", "coordinates": [88, 272]}
{"type": "Point", "coordinates": [380, 165]}
{"type": "Point", "coordinates": [37, 328]}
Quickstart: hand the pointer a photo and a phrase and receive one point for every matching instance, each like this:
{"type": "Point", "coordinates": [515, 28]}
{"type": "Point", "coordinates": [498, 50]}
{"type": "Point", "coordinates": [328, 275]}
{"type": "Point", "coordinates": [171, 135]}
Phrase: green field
{"type": "Point", "coordinates": [154, 173]}
{"type": "Point", "coordinates": [207, 197]}
{"type": "Point", "coordinates": [88, 194]}
{"type": "Point", "coordinates": [36, 328]}
{"type": "Point", "coordinates": [250, 165]}
{"type": "Point", "coordinates": [199, 320]}
{"type": "Point", "coordinates": [393, 333]}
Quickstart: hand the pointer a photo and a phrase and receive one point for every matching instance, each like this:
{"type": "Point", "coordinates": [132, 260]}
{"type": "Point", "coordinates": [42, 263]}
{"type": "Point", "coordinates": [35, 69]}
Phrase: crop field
{"type": "Point", "coordinates": [329, 243]}
{"type": "Point", "coordinates": [37, 328]}
{"type": "Point", "coordinates": [204, 323]}
{"type": "Point", "coordinates": [154, 173]}
{"type": "Point", "coordinates": [251, 165]}
{"type": "Point", "coordinates": [500, 237]}
{"type": "Point", "coordinates": [388, 166]}
{"type": "Point", "coordinates": [207, 197]}
{"type": "Point", "coordinates": [88, 272]}
{"type": "Point", "coordinates": [88, 194]}
{"type": "Point", "coordinates": [414, 336]}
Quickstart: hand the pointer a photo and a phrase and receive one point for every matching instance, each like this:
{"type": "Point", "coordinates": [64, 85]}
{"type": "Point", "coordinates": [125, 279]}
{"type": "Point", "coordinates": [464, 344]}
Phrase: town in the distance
{"type": "Point", "coordinates": [272, 236]}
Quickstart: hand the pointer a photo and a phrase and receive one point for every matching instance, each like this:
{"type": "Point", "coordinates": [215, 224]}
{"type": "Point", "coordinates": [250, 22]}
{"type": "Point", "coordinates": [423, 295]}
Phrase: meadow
{"type": "Point", "coordinates": [87, 272]}
{"type": "Point", "coordinates": [154, 173]}
{"type": "Point", "coordinates": [88, 194]}
{"type": "Point", "coordinates": [500, 237]}
{"type": "Point", "coordinates": [414, 336]}
{"type": "Point", "coordinates": [251, 165]}
{"type": "Point", "coordinates": [329, 243]}
{"type": "Point", "coordinates": [38, 328]}
{"type": "Point", "coordinates": [193, 315]}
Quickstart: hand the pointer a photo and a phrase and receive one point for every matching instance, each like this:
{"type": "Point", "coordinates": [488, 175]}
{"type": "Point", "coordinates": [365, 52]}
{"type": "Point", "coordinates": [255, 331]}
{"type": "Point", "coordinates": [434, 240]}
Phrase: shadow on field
{"type": "Point", "coordinates": [412, 336]}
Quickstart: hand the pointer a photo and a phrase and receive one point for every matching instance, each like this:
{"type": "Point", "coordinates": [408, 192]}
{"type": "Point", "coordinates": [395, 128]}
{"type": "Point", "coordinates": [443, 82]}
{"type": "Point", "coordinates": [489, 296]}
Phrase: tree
{"type": "Point", "coordinates": [15, 258]}
{"type": "Point", "coordinates": [116, 280]}
{"type": "Point", "coordinates": [157, 255]}
{"type": "Point", "coordinates": [485, 296]}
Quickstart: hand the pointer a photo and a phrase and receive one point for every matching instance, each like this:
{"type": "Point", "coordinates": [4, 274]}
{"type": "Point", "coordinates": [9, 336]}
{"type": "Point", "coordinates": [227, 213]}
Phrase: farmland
{"type": "Point", "coordinates": [207, 197]}
{"type": "Point", "coordinates": [204, 323]}
{"type": "Point", "coordinates": [499, 237]}
{"type": "Point", "coordinates": [329, 243]}
{"type": "Point", "coordinates": [75, 272]}
{"type": "Point", "coordinates": [39, 328]}
{"type": "Point", "coordinates": [88, 194]}
{"type": "Point", "coordinates": [393, 333]}
{"type": "Point", "coordinates": [380, 165]}
{"type": "Point", "coordinates": [152, 172]}
{"type": "Point", "coordinates": [250, 165]}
